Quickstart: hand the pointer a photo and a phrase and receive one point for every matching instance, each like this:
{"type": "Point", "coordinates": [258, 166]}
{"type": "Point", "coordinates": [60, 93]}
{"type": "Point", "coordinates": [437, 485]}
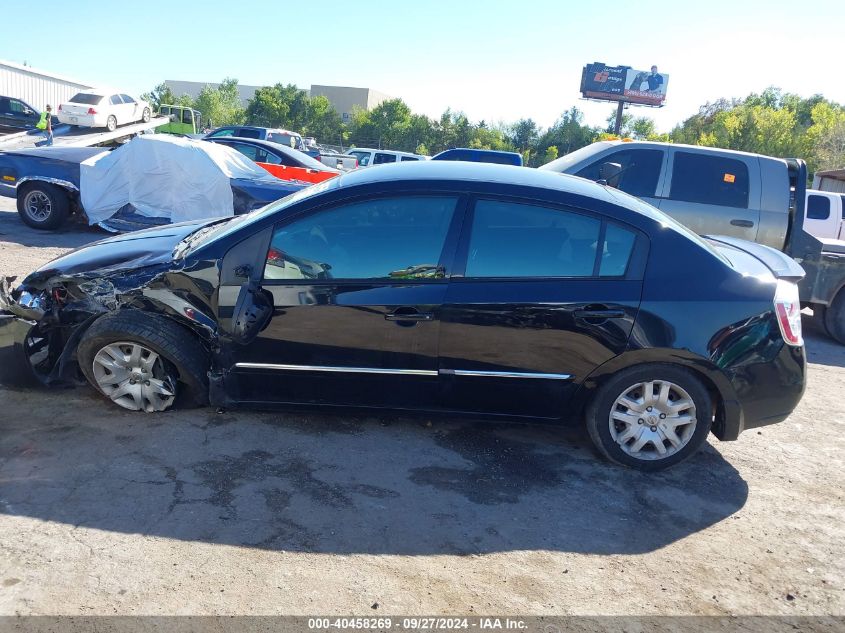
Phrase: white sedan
{"type": "Point", "coordinates": [101, 108]}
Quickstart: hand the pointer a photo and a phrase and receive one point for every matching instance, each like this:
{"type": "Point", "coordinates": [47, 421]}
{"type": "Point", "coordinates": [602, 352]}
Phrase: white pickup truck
{"type": "Point", "coordinates": [824, 215]}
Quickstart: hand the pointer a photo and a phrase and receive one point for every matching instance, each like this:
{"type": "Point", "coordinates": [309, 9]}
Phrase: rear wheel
{"type": "Point", "coordinates": [111, 123]}
{"type": "Point", "coordinates": [146, 115]}
{"type": "Point", "coordinates": [43, 205]}
{"type": "Point", "coordinates": [834, 317]}
{"type": "Point", "coordinates": [144, 362]}
{"type": "Point", "coordinates": [650, 417]}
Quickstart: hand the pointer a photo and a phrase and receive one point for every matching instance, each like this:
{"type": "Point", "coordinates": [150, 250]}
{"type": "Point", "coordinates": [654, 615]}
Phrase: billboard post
{"type": "Point", "coordinates": [617, 128]}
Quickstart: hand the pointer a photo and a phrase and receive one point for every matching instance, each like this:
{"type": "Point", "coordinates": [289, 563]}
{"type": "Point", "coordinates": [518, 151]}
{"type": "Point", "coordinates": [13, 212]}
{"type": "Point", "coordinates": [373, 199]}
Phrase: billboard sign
{"type": "Point", "coordinates": [623, 83]}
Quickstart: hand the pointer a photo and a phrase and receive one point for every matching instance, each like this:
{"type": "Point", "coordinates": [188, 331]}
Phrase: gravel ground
{"type": "Point", "coordinates": [195, 512]}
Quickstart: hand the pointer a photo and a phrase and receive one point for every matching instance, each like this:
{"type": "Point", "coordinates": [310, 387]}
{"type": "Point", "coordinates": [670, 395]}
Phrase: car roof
{"type": "Point", "coordinates": [478, 172]}
{"type": "Point", "coordinates": [272, 146]}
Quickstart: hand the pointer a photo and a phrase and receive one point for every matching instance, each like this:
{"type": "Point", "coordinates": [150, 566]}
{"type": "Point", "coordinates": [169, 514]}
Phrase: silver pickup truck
{"type": "Point", "coordinates": [723, 192]}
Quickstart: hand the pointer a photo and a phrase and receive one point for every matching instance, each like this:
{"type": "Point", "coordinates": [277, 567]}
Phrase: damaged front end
{"type": "Point", "coordinates": [40, 326]}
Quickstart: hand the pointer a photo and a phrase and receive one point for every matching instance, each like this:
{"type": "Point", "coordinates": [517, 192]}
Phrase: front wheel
{"type": "Point", "coordinates": [111, 123]}
{"type": "Point", "coordinates": [650, 417]}
{"type": "Point", "coordinates": [145, 117]}
{"type": "Point", "coordinates": [43, 205]}
{"type": "Point", "coordinates": [143, 362]}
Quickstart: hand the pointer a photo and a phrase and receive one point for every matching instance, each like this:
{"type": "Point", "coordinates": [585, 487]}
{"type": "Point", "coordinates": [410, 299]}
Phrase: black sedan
{"type": "Point", "coordinates": [457, 288]}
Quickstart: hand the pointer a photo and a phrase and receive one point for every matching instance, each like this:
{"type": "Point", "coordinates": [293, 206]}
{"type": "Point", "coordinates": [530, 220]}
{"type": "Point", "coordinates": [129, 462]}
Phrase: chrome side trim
{"type": "Point", "coordinates": [504, 374]}
{"type": "Point", "coordinates": [348, 370]}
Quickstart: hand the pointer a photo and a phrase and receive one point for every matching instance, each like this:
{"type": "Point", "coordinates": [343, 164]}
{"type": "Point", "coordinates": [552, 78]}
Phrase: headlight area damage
{"type": "Point", "coordinates": [43, 320]}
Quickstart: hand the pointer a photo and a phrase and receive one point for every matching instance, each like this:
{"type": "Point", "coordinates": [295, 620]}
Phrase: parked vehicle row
{"type": "Point", "coordinates": [478, 290]}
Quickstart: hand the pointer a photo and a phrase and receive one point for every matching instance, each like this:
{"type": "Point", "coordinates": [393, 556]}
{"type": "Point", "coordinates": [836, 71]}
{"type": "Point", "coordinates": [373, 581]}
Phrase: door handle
{"type": "Point", "coordinates": [595, 315]}
{"type": "Point", "coordinates": [746, 224]}
{"type": "Point", "coordinates": [408, 314]}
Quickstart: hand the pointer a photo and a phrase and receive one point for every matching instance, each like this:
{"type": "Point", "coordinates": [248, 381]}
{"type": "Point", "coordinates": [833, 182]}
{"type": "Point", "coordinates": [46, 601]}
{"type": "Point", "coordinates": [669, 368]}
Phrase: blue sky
{"type": "Point", "coordinates": [494, 60]}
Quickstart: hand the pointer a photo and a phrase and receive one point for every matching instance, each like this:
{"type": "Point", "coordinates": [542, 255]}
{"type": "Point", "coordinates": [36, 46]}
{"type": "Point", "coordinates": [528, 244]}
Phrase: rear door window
{"type": "Point", "coordinates": [115, 100]}
{"type": "Point", "coordinates": [712, 180]}
{"type": "Point", "coordinates": [640, 171]}
{"type": "Point", "coordinates": [127, 99]}
{"type": "Point", "coordinates": [511, 239]}
{"type": "Point", "coordinates": [818, 207]}
{"type": "Point", "coordinates": [380, 158]}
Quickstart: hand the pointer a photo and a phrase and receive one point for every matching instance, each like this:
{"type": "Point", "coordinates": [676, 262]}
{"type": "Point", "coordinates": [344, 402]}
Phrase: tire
{"type": "Point", "coordinates": [690, 436]}
{"type": "Point", "coordinates": [181, 367]}
{"type": "Point", "coordinates": [834, 318]}
{"type": "Point", "coordinates": [820, 317]}
{"type": "Point", "coordinates": [111, 123]}
{"type": "Point", "coordinates": [145, 116]}
{"type": "Point", "coordinates": [42, 205]}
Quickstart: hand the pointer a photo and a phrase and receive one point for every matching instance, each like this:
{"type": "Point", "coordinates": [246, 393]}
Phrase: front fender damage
{"type": "Point", "coordinates": [51, 315]}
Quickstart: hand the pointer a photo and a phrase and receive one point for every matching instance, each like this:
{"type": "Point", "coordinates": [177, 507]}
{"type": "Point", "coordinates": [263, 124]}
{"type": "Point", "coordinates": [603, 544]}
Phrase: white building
{"type": "Point", "coordinates": [36, 87]}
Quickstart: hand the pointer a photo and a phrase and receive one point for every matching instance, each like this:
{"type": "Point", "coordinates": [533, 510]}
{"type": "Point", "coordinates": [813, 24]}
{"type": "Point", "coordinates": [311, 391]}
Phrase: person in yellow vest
{"type": "Point", "coordinates": [45, 123]}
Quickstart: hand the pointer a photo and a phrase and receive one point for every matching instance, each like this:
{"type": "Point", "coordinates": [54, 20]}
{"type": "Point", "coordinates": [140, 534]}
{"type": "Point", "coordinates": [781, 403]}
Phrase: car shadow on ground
{"type": "Point", "coordinates": [339, 484]}
{"type": "Point", "coordinates": [73, 234]}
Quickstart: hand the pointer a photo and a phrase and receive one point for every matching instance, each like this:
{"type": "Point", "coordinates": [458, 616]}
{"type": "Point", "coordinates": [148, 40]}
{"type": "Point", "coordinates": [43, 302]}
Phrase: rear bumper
{"type": "Point", "coordinates": [765, 392]}
{"type": "Point", "coordinates": [85, 120]}
{"type": "Point", "coordinates": [15, 369]}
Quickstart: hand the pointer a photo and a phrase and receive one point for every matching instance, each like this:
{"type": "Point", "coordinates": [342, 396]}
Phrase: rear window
{"type": "Point", "coordinates": [710, 180]}
{"type": "Point", "coordinates": [282, 139]}
{"type": "Point", "coordinates": [247, 133]}
{"type": "Point", "coordinates": [86, 98]}
{"type": "Point", "coordinates": [818, 208]}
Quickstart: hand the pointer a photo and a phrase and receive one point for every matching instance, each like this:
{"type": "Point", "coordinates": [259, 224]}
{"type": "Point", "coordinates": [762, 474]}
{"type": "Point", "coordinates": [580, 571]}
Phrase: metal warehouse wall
{"type": "Point", "coordinates": [35, 87]}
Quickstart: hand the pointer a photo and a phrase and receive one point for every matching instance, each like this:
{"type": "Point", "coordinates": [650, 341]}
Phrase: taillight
{"type": "Point", "coordinates": [788, 310]}
{"type": "Point", "coordinates": [356, 163]}
{"type": "Point", "coordinates": [92, 111]}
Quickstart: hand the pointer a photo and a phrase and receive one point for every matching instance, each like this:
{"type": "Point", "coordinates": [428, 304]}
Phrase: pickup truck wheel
{"type": "Point", "coordinates": [834, 318]}
{"type": "Point", "coordinates": [650, 417]}
{"type": "Point", "coordinates": [43, 205]}
{"type": "Point", "coordinates": [111, 123]}
{"type": "Point", "coordinates": [144, 362]}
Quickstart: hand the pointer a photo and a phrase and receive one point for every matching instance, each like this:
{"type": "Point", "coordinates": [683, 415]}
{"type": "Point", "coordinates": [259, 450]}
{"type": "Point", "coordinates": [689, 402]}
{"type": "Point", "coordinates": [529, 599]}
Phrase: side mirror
{"type": "Point", "coordinates": [609, 174]}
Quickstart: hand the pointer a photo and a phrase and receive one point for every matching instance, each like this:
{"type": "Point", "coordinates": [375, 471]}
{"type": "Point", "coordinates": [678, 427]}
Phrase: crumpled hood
{"type": "Point", "coordinates": [121, 252]}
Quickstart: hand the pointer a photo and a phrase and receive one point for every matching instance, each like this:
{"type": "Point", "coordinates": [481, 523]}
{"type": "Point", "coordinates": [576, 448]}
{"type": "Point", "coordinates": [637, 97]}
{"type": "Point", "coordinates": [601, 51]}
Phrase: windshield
{"type": "Point", "coordinates": [227, 227]}
{"type": "Point", "coordinates": [86, 98]}
{"type": "Point", "coordinates": [561, 164]}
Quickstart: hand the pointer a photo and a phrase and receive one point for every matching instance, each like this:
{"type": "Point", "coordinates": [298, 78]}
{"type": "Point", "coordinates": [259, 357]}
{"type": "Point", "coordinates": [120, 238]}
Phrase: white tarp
{"type": "Point", "coordinates": [164, 176]}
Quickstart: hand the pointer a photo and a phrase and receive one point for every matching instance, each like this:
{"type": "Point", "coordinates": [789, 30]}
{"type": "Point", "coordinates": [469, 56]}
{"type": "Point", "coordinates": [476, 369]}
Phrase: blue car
{"type": "Point", "coordinates": [480, 156]}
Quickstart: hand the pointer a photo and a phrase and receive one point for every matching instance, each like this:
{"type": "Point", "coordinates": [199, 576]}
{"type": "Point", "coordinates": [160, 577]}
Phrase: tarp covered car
{"type": "Point", "coordinates": [153, 179]}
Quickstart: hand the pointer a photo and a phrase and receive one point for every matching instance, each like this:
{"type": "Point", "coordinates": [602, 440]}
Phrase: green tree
{"type": "Point", "coordinates": [221, 105]}
{"type": "Point", "coordinates": [162, 94]}
{"type": "Point", "coordinates": [524, 134]}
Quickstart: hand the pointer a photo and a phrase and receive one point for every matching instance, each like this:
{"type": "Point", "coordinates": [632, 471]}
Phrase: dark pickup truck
{"type": "Point", "coordinates": [722, 192]}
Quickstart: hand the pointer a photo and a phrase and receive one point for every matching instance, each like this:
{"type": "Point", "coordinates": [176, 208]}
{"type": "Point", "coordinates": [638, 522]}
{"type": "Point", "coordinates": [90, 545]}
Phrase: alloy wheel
{"type": "Point", "coordinates": [38, 206]}
{"type": "Point", "coordinates": [134, 377]}
{"type": "Point", "coordinates": [652, 420]}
